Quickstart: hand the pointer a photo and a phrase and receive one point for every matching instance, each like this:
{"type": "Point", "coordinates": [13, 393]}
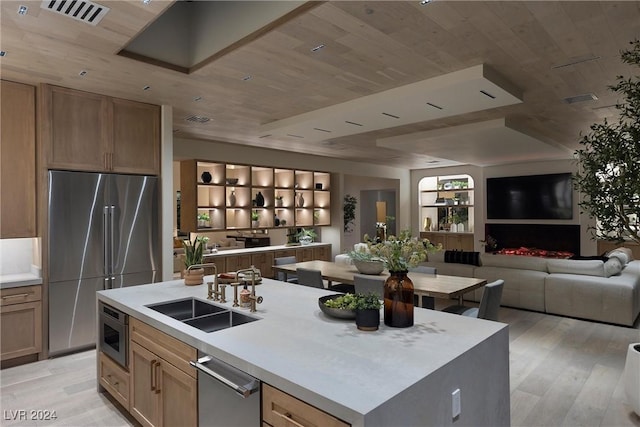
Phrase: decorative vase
{"type": "Point", "coordinates": [206, 177]}
{"type": "Point", "coordinates": [426, 225]}
{"type": "Point", "coordinates": [305, 240]}
{"type": "Point", "coordinates": [276, 220]}
{"type": "Point", "coordinates": [461, 228]}
{"type": "Point", "coordinates": [300, 200]}
{"type": "Point", "coordinates": [631, 377]}
{"type": "Point", "coordinates": [193, 277]}
{"type": "Point", "coordinates": [368, 267]}
{"type": "Point", "coordinates": [368, 319]}
{"type": "Point", "coordinates": [232, 198]}
{"type": "Point", "coordinates": [259, 199]}
{"type": "Point", "coordinates": [279, 203]}
{"type": "Point", "coordinates": [398, 300]}
{"type": "Point", "coordinates": [255, 223]}
{"type": "Point", "coordinates": [453, 228]}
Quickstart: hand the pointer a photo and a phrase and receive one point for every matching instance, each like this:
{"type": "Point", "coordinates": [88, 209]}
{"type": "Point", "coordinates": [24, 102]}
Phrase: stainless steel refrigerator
{"type": "Point", "coordinates": [103, 234]}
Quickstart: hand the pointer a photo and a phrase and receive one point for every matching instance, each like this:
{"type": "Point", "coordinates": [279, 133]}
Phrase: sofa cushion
{"type": "Point", "coordinates": [623, 254]}
{"type": "Point", "coordinates": [570, 266]}
{"type": "Point", "coordinates": [522, 288]}
{"type": "Point", "coordinates": [462, 257]}
{"type": "Point", "coordinates": [514, 261]}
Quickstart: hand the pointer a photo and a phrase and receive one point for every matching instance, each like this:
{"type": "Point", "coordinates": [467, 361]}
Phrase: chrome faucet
{"type": "Point", "coordinates": [253, 299]}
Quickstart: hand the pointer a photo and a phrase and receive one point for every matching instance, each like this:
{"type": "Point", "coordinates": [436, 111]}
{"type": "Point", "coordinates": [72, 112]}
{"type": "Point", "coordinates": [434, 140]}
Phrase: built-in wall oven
{"type": "Point", "coordinates": [114, 330]}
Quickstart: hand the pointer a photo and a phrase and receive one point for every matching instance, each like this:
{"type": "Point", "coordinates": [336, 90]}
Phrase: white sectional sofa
{"type": "Point", "coordinates": [587, 289]}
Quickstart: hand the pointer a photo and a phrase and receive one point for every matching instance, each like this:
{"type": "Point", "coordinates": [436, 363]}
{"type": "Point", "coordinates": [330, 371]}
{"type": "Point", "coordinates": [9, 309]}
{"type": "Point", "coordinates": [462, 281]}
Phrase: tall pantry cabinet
{"type": "Point", "coordinates": [17, 161]}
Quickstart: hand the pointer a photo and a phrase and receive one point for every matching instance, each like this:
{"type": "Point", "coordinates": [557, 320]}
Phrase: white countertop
{"type": "Point", "coordinates": [20, 279]}
{"type": "Point", "coordinates": [324, 361]}
{"type": "Point", "coordinates": [244, 251]}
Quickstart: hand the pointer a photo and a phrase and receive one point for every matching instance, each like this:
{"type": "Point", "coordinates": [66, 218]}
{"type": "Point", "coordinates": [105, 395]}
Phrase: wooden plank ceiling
{"type": "Point", "coordinates": [370, 47]}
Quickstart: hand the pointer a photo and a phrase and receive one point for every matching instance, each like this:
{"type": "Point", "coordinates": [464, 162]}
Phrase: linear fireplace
{"type": "Point", "coordinates": [552, 237]}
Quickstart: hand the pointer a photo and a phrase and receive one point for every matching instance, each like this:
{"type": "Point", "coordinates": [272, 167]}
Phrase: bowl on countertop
{"type": "Point", "coordinates": [338, 313]}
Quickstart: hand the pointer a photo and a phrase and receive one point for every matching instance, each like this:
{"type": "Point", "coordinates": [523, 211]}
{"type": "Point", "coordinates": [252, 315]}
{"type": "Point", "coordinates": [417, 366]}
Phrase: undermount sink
{"type": "Point", "coordinates": [205, 316]}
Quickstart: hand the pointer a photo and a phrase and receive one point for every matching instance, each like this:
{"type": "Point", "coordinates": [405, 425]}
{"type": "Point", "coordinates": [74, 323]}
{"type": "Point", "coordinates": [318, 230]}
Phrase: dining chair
{"type": "Point", "coordinates": [365, 284]}
{"type": "Point", "coordinates": [291, 278]}
{"type": "Point", "coordinates": [310, 277]}
{"type": "Point", "coordinates": [427, 302]}
{"type": "Point", "coordinates": [489, 303]}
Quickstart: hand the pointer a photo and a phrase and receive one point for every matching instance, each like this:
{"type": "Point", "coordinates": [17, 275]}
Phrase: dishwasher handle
{"type": "Point", "coordinates": [239, 389]}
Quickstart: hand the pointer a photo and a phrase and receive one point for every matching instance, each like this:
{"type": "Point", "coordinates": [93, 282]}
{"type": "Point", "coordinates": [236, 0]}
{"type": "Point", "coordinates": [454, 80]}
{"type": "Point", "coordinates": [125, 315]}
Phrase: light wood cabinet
{"type": "Point", "coordinates": [136, 137]}
{"type": "Point", "coordinates": [114, 379]}
{"type": "Point", "coordinates": [223, 196]}
{"type": "Point", "coordinates": [20, 322]}
{"type": "Point", "coordinates": [237, 262]}
{"type": "Point", "coordinates": [304, 254]}
{"type": "Point", "coordinates": [163, 389]}
{"type": "Point", "coordinates": [17, 161]}
{"type": "Point", "coordinates": [450, 241]}
{"type": "Point", "coordinates": [280, 409]}
{"type": "Point", "coordinates": [92, 132]}
{"type": "Point", "coordinates": [322, 253]}
{"type": "Point", "coordinates": [264, 262]}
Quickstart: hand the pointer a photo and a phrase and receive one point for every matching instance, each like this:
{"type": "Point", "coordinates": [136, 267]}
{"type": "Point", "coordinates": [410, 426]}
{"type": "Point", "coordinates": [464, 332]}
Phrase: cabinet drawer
{"type": "Point", "coordinates": [282, 410]}
{"type": "Point", "coordinates": [170, 349]}
{"type": "Point", "coordinates": [19, 295]}
{"type": "Point", "coordinates": [114, 379]}
{"type": "Point", "coordinates": [20, 329]}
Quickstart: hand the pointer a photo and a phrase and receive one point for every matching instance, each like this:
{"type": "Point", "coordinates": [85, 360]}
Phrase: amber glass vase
{"type": "Point", "coordinates": [398, 300]}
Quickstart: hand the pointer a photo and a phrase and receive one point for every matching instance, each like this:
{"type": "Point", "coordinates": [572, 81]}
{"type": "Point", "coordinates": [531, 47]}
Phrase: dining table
{"type": "Point", "coordinates": [425, 285]}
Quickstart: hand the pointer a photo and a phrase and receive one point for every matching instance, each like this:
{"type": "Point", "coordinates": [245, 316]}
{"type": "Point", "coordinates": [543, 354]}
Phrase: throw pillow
{"type": "Point", "coordinates": [623, 254]}
{"type": "Point", "coordinates": [462, 257]}
{"type": "Point", "coordinates": [612, 267]}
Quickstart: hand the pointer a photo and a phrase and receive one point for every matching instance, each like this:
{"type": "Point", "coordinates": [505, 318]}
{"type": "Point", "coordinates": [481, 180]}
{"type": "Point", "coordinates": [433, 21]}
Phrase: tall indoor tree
{"type": "Point", "coordinates": [609, 163]}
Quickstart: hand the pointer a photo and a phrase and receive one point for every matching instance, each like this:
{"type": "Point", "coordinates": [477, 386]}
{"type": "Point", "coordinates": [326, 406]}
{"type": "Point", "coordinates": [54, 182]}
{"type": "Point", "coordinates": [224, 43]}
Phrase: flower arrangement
{"type": "Point", "coordinates": [401, 252]}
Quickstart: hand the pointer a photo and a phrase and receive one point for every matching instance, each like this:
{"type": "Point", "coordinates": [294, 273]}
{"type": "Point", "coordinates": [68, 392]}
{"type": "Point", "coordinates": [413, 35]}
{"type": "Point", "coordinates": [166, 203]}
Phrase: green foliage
{"type": "Point", "coordinates": [255, 216]}
{"type": "Point", "coordinates": [349, 208]}
{"type": "Point", "coordinates": [203, 216]}
{"type": "Point", "coordinates": [609, 164]}
{"type": "Point", "coordinates": [402, 252]}
{"type": "Point", "coordinates": [193, 250]}
{"type": "Point", "coordinates": [369, 301]}
{"type": "Point", "coordinates": [307, 232]}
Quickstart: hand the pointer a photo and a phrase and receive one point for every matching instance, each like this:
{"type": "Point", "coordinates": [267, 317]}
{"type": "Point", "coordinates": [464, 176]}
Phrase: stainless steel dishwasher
{"type": "Point", "coordinates": [226, 396]}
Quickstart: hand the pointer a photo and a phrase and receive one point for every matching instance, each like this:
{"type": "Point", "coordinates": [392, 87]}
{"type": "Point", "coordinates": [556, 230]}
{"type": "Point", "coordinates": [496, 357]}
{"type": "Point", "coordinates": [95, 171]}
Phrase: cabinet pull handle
{"type": "Point", "coordinates": [153, 374]}
{"type": "Point", "coordinates": [158, 379]}
{"type": "Point", "coordinates": [15, 296]}
{"type": "Point", "coordinates": [287, 416]}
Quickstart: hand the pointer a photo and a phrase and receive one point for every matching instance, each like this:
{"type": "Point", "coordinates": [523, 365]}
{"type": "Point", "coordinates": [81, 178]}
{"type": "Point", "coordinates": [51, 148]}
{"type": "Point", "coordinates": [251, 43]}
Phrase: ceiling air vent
{"type": "Point", "coordinates": [197, 119]}
{"type": "Point", "coordinates": [80, 10]}
{"type": "Point", "coordinates": [581, 98]}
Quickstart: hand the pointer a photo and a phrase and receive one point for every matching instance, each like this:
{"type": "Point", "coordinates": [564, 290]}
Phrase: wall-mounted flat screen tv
{"type": "Point", "coordinates": [530, 197]}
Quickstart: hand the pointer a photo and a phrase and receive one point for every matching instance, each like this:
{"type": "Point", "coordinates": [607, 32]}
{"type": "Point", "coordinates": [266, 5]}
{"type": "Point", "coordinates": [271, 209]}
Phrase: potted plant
{"type": "Point", "coordinates": [349, 209]}
{"type": "Point", "coordinates": [367, 312]}
{"type": "Point", "coordinates": [306, 236]}
{"type": "Point", "coordinates": [255, 219]}
{"type": "Point", "coordinates": [203, 219]}
{"type": "Point", "coordinates": [193, 256]}
{"type": "Point", "coordinates": [365, 262]}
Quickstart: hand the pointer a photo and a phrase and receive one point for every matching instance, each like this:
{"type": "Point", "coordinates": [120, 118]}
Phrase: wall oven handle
{"type": "Point", "coordinates": [240, 390]}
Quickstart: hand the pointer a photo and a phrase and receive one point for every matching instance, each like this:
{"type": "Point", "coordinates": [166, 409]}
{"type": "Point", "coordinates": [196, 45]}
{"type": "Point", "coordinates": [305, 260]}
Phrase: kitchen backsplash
{"type": "Point", "coordinates": [19, 256]}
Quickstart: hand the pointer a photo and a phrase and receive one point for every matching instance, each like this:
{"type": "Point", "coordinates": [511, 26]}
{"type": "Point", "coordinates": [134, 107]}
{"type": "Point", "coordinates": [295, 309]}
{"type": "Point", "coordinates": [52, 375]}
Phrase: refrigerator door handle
{"type": "Point", "coordinates": [105, 242]}
{"type": "Point", "coordinates": [112, 238]}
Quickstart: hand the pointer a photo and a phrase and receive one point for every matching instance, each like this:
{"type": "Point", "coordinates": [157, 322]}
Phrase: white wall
{"type": "Point", "coordinates": [18, 256]}
{"type": "Point", "coordinates": [184, 149]}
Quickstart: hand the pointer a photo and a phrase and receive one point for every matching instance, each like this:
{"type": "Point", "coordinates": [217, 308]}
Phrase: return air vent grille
{"type": "Point", "coordinates": [197, 119]}
{"type": "Point", "coordinates": [581, 98]}
{"type": "Point", "coordinates": [80, 10]}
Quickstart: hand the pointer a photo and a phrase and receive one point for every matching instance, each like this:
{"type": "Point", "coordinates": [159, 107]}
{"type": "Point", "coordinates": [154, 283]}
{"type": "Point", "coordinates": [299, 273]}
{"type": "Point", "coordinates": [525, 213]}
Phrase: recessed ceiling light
{"type": "Point", "coordinates": [3, 53]}
{"type": "Point", "coordinates": [83, 73]}
{"type": "Point", "coordinates": [197, 98]}
{"type": "Point", "coordinates": [146, 1]}
{"type": "Point", "coordinates": [423, 2]}
{"type": "Point", "coordinates": [485, 93]}
{"type": "Point", "coordinates": [22, 10]}
{"type": "Point", "coordinates": [147, 87]}
{"type": "Point", "coordinates": [317, 48]}
{"type": "Point", "coordinates": [247, 77]}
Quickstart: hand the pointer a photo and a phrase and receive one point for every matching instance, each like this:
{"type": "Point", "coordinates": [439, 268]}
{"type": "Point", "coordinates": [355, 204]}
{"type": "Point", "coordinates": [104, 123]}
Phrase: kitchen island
{"type": "Point", "coordinates": [391, 377]}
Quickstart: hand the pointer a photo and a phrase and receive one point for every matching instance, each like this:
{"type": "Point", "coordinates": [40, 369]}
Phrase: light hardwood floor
{"type": "Point", "coordinates": [564, 372]}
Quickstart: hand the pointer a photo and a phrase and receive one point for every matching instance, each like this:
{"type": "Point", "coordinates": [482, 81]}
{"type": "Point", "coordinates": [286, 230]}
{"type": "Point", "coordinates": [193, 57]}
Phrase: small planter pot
{"type": "Point", "coordinates": [193, 277]}
{"type": "Point", "coordinates": [368, 320]}
{"type": "Point", "coordinates": [631, 377]}
{"type": "Point", "coordinates": [305, 240]}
